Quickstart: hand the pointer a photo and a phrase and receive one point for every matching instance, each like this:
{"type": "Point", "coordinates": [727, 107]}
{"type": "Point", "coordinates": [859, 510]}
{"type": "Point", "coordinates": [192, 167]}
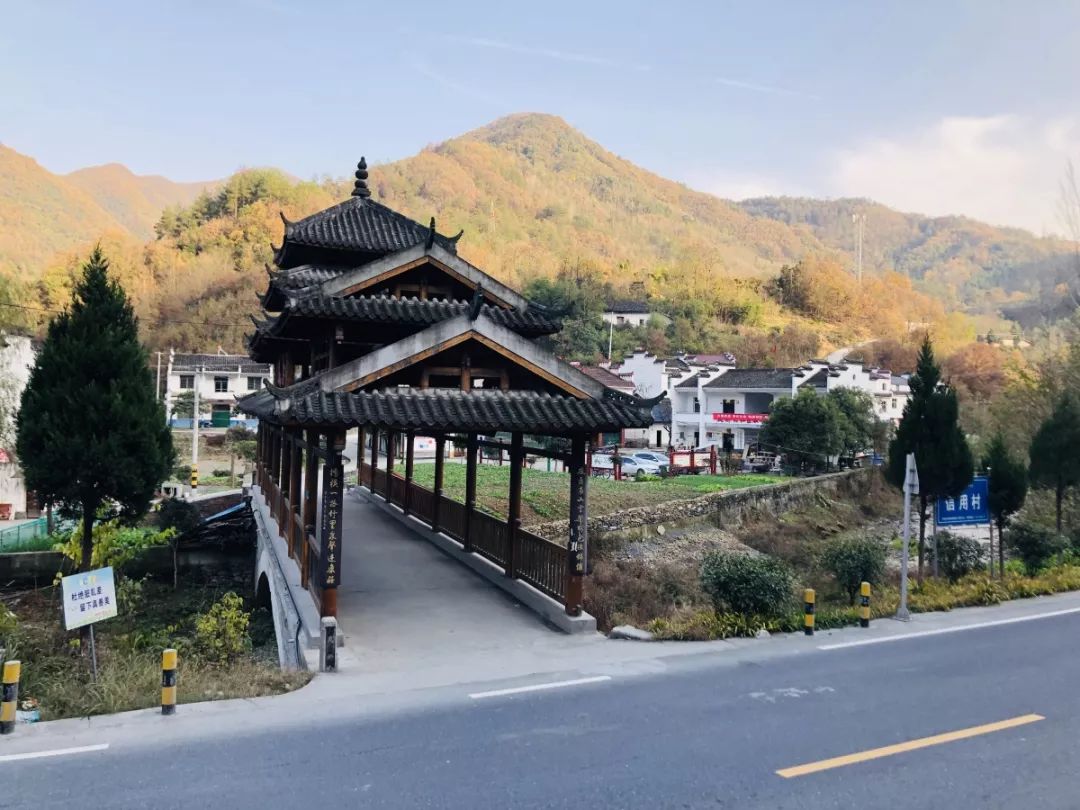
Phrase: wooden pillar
{"type": "Point", "coordinates": [712, 459]}
{"type": "Point", "coordinates": [374, 456]}
{"type": "Point", "coordinates": [283, 470]}
{"type": "Point", "coordinates": [440, 445]}
{"type": "Point", "coordinates": [577, 547]}
{"type": "Point", "coordinates": [286, 474]}
{"type": "Point", "coordinates": [311, 504]}
{"type": "Point", "coordinates": [408, 470]}
{"type": "Point", "coordinates": [471, 452]}
{"type": "Point", "coordinates": [360, 457]}
{"type": "Point", "coordinates": [390, 437]}
{"type": "Point", "coordinates": [330, 537]}
{"type": "Point", "coordinates": [513, 518]}
{"type": "Point", "coordinates": [295, 498]}
{"type": "Point", "coordinates": [275, 459]}
{"type": "Point", "coordinates": [257, 474]}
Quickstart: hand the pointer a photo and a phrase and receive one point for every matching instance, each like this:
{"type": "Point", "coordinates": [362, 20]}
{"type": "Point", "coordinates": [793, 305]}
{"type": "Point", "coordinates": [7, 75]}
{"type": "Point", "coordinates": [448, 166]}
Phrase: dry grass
{"type": "Point", "coordinates": [57, 672]}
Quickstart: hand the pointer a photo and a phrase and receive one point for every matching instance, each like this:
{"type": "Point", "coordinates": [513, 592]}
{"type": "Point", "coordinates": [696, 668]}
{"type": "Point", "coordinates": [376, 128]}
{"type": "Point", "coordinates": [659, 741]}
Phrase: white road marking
{"type": "Point", "coordinates": [539, 687]}
{"type": "Point", "coordinates": [944, 630]}
{"type": "Point", "coordinates": [56, 752]}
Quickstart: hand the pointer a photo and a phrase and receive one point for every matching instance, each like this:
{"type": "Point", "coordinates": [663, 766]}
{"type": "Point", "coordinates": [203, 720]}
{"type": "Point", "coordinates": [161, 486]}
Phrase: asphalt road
{"type": "Point", "coordinates": [708, 732]}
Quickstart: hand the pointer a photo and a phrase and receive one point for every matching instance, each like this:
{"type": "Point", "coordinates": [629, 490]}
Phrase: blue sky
{"type": "Point", "coordinates": [939, 107]}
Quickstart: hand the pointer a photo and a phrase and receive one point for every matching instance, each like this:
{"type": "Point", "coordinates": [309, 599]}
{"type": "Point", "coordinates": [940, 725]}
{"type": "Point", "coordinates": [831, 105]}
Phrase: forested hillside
{"type": "Point", "coordinates": [135, 201]}
{"type": "Point", "coordinates": [963, 262]}
{"type": "Point", "coordinates": [546, 209]}
{"type": "Point", "coordinates": [42, 213]}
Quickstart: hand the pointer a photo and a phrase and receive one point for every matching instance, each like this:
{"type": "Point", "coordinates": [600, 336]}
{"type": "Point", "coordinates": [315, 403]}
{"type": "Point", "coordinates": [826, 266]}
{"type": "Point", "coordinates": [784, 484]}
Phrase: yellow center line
{"type": "Point", "coordinates": [911, 745]}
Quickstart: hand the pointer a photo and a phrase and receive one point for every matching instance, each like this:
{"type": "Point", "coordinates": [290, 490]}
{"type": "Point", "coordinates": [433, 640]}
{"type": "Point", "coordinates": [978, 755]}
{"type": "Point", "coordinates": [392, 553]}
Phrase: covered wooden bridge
{"type": "Point", "coordinates": [372, 321]}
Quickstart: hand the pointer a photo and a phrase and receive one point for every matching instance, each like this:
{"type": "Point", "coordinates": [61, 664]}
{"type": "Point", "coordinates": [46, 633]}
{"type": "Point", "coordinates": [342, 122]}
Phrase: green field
{"type": "Point", "coordinates": [546, 496]}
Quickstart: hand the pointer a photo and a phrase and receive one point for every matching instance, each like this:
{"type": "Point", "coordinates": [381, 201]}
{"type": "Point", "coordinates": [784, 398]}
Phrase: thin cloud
{"type": "Point", "coordinates": [454, 86]}
{"type": "Point", "coordinates": [549, 53]}
{"type": "Point", "coordinates": [765, 88]}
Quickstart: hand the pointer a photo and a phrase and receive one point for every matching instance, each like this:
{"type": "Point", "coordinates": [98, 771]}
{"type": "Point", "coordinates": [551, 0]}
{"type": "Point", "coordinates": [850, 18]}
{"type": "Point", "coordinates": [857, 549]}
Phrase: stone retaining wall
{"type": "Point", "coordinates": [726, 510]}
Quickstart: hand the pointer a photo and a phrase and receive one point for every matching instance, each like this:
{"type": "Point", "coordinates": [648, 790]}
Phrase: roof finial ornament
{"type": "Point", "coordinates": [476, 303]}
{"type": "Point", "coordinates": [360, 188]}
{"type": "Point", "coordinates": [431, 235]}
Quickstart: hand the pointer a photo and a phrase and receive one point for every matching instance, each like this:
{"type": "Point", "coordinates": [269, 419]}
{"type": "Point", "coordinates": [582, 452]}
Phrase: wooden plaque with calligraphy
{"type": "Point", "coordinates": [330, 559]}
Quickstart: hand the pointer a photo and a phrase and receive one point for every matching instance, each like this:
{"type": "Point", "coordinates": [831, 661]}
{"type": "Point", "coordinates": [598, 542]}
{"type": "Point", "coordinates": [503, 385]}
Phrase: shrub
{"type": "Point", "coordinates": [221, 634]}
{"type": "Point", "coordinates": [114, 544]}
{"type": "Point", "coordinates": [854, 560]}
{"type": "Point", "coordinates": [958, 556]}
{"type": "Point", "coordinates": [174, 513]}
{"type": "Point", "coordinates": [1033, 544]}
{"type": "Point", "coordinates": [741, 583]}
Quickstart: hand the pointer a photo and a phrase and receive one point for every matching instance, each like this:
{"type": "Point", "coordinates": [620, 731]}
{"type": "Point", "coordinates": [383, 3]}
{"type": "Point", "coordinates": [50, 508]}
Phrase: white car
{"type": "Point", "coordinates": [651, 456]}
{"type": "Point", "coordinates": [631, 466]}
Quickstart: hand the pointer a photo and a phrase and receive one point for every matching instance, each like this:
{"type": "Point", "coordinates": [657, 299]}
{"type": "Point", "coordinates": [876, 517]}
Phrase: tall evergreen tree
{"type": "Point", "coordinates": [1055, 452]}
{"type": "Point", "coordinates": [930, 429]}
{"type": "Point", "coordinates": [91, 431]}
{"type": "Point", "coordinates": [1008, 488]}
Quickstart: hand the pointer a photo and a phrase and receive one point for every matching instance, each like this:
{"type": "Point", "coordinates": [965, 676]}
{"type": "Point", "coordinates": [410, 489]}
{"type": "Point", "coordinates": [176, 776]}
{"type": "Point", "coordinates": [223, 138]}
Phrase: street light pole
{"type": "Point", "coordinates": [911, 487]}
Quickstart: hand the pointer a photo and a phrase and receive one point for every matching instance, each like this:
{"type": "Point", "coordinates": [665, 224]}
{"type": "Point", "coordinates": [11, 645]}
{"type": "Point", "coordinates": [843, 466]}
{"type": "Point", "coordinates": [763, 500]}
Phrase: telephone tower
{"type": "Point", "coordinates": [860, 223]}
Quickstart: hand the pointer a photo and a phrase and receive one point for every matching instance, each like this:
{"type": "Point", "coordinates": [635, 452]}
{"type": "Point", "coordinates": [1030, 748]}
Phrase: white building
{"type": "Point", "coordinates": [220, 378]}
{"type": "Point", "coordinates": [728, 406]}
{"type": "Point", "coordinates": [17, 357]}
{"type": "Point", "coordinates": [627, 313]}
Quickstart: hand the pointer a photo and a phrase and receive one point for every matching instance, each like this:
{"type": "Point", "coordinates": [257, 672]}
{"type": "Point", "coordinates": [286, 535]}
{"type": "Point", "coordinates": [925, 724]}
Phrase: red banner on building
{"type": "Point", "coordinates": [741, 418]}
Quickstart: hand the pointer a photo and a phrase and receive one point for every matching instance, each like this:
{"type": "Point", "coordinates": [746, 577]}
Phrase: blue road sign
{"type": "Point", "coordinates": [970, 507]}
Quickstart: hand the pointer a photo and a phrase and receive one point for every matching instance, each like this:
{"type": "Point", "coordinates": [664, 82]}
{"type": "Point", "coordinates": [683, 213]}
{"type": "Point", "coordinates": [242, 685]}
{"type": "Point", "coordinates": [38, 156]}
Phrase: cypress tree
{"type": "Point", "coordinates": [1055, 452]}
{"type": "Point", "coordinates": [930, 428]}
{"type": "Point", "coordinates": [1007, 488]}
{"type": "Point", "coordinates": [91, 431]}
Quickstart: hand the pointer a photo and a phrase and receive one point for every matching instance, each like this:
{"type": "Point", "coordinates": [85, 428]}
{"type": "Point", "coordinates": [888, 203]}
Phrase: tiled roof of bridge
{"type": "Point", "coordinates": [442, 409]}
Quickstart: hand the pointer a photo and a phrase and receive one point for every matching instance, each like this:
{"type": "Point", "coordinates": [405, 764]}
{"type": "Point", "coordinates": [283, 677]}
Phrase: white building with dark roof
{"type": "Point", "coordinates": [221, 378]}
{"type": "Point", "coordinates": [627, 313]}
{"type": "Point", "coordinates": [727, 406]}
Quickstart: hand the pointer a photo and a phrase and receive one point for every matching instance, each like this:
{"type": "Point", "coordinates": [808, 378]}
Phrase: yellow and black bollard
{"type": "Point", "coordinates": [194, 478]}
{"type": "Point", "coordinates": [168, 682]}
{"type": "Point", "coordinates": [10, 698]}
{"type": "Point", "coordinates": [808, 615]}
{"type": "Point", "coordinates": [864, 605]}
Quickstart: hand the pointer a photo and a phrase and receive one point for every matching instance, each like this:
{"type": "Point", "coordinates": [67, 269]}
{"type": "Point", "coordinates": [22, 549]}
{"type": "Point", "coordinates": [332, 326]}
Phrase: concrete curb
{"type": "Point", "coordinates": [547, 608]}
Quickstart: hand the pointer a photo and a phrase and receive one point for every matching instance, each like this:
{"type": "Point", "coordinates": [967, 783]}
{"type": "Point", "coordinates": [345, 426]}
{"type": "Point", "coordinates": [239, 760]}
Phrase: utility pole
{"type": "Point", "coordinates": [610, 334]}
{"type": "Point", "coordinates": [911, 487]}
{"type": "Point", "coordinates": [157, 388]}
{"type": "Point", "coordinates": [195, 432]}
{"type": "Point", "coordinates": [860, 222]}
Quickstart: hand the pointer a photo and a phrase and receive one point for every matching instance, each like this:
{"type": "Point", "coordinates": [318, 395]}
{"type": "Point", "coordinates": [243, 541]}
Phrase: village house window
{"type": "Point", "coordinates": [221, 384]}
{"type": "Point", "coordinates": [187, 382]}
{"type": "Point", "coordinates": [729, 406]}
{"type": "Point", "coordinates": [697, 405]}
{"type": "Point", "coordinates": [894, 404]}
{"type": "Point", "coordinates": [620, 319]}
{"type": "Point", "coordinates": [254, 383]}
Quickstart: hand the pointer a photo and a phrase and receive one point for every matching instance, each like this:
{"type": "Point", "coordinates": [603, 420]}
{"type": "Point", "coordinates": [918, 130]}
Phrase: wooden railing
{"type": "Point", "coordinates": [488, 537]}
{"type": "Point", "coordinates": [537, 561]}
{"type": "Point", "coordinates": [541, 563]}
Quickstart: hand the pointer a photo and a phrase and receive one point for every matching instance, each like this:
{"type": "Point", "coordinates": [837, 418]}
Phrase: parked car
{"type": "Point", "coordinates": [631, 466]}
{"type": "Point", "coordinates": [651, 457]}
